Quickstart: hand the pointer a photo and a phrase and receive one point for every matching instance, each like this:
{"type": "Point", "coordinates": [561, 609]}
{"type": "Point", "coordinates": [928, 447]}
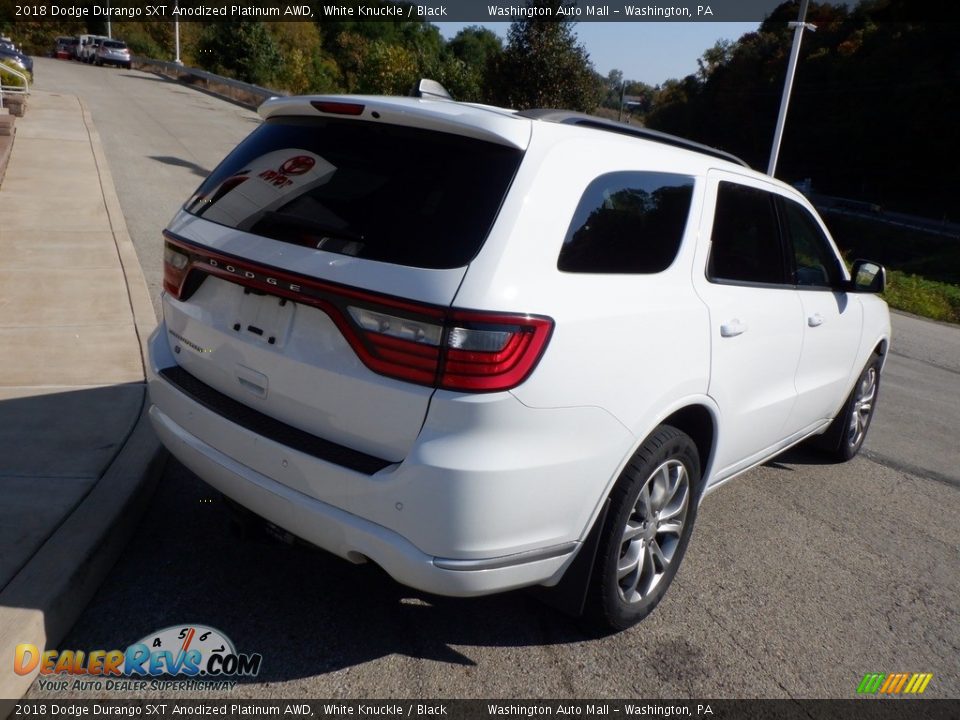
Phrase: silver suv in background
{"type": "Point", "coordinates": [113, 52]}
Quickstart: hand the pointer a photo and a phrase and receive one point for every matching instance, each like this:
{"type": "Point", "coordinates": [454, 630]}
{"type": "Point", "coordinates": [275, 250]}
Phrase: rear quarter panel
{"type": "Point", "coordinates": [633, 345]}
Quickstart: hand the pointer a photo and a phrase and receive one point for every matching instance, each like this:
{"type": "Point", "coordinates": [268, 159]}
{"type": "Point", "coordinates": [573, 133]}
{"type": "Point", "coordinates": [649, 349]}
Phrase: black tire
{"type": "Point", "coordinates": [638, 535]}
{"type": "Point", "coordinates": [844, 438]}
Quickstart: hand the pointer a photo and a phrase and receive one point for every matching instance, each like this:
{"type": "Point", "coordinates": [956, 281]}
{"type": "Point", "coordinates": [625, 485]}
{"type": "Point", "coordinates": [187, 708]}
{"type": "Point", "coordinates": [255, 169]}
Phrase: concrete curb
{"type": "Point", "coordinates": [6, 147]}
{"type": "Point", "coordinates": [144, 318]}
{"type": "Point", "coordinates": [41, 603]}
{"type": "Point", "coordinates": [47, 596]}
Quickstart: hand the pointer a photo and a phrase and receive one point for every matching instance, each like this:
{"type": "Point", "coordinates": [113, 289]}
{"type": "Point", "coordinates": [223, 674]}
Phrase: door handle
{"type": "Point", "coordinates": [732, 328]}
{"type": "Point", "coordinates": [815, 320]}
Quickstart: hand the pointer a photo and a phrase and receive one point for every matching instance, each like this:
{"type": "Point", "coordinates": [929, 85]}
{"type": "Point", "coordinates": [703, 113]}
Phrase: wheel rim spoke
{"type": "Point", "coordinates": [671, 527]}
{"type": "Point", "coordinates": [628, 587]}
{"type": "Point", "coordinates": [633, 529]}
{"type": "Point", "coordinates": [643, 505]}
{"type": "Point", "coordinates": [630, 560]}
{"type": "Point", "coordinates": [659, 484]}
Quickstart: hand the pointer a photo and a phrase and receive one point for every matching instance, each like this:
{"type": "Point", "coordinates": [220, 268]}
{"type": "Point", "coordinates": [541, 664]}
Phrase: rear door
{"type": "Point", "coordinates": [756, 318]}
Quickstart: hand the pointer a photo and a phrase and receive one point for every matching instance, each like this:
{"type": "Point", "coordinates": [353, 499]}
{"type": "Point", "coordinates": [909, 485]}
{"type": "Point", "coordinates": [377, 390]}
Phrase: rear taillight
{"type": "Point", "coordinates": [463, 350]}
{"type": "Point", "coordinates": [487, 351]}
{"type": "Point", "coordinates": [175, 267]}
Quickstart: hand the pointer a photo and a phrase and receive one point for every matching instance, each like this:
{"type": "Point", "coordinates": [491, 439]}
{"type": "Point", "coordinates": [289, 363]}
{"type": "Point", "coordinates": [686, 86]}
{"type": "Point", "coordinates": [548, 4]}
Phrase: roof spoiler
{"type": "Point", "coordinates": [428, 88]}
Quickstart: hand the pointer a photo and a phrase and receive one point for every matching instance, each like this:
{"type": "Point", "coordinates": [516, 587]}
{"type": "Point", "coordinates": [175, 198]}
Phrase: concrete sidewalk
{"type": "Point", "coordinates": [77, 457]}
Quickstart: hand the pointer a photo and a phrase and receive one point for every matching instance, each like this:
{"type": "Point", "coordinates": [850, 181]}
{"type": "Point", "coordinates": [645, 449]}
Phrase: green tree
{"type": "Point", "coordinates": [387, 69]}
{"type": "Point", "coordinates": [543, 65]}
{"type": "Point", "coordinates": [244, 50]}
{"type": "Point", "coordinates": [461, 66]}
{"type": "Point", "coordinates": [305, 67]}
{"type": "Point", "coordinates": [476, 47]}
{"type": "Point", "coordinates": [716, 56]}
{"type": "Point", "coordinates": [873, 111]}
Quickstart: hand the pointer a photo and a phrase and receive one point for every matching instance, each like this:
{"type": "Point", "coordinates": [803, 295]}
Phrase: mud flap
{"type": "Point", "coordinates": [570, 594]}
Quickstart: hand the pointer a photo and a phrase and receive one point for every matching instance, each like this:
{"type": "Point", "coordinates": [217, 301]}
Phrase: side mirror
{"type": "Point", "coordinates": [868, 277]}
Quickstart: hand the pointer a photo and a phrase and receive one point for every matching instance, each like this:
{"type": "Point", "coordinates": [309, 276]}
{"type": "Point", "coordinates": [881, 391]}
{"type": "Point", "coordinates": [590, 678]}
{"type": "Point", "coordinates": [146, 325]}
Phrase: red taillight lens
{"type": "Point", "coordinates": [467, 351]}
{"type": "Point", "coordinates": [487, 352]}
{"type": "Point", "coordinates": [406, 348]}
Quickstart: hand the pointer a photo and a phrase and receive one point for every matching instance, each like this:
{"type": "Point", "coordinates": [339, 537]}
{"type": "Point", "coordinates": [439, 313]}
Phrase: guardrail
{"type": "Point", "coordinates": [244, 93]}
{"type": "Point", "coordinates": [13, 89]}
{"type": "Point", "coordinates": [876, 213]}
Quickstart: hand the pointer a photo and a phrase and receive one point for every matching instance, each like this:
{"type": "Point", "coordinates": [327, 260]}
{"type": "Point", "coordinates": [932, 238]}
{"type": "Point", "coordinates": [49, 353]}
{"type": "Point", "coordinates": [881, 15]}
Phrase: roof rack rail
{"type": "Point", "coordinates": [567, 117]}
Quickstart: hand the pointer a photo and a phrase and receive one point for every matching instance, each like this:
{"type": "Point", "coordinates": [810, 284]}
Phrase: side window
{"type": "Point", "coordinates": [745, 242]}
{"type": "Point", "coordinates": [628, 222]}
{"type": "Point", "coordinates": [815, 264]}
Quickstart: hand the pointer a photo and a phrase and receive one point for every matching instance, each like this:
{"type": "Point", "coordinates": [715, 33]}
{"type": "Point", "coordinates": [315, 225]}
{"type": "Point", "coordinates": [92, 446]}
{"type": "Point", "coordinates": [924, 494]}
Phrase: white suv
{"type": "Point", "coordinates": [488, 349]}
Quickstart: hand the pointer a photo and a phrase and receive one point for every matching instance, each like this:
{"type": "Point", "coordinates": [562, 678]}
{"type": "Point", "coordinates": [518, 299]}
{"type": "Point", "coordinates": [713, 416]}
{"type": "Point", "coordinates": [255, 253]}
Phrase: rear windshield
{"type": "Point", "coordinates": [114, 44]}
{"type": "Point", "coordinates": [381, 192]}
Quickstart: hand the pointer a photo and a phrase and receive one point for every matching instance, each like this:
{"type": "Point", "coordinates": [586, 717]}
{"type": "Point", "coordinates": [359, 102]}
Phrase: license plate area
{"type": "Point", "coordinates": [264, 319]}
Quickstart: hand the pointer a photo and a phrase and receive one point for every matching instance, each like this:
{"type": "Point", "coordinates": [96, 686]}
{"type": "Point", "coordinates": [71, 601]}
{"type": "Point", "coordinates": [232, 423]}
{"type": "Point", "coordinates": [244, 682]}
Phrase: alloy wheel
{"type": "Point", "coordinates": [653, 530]}
{"type": "Point", "coordinates": [862, 407]}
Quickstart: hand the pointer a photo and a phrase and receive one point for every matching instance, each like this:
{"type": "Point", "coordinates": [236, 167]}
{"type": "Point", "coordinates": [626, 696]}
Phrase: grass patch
{"type": "Point", "coordinates": [928, 298]}
{"type": "Point", "coordinates": [923, 270]}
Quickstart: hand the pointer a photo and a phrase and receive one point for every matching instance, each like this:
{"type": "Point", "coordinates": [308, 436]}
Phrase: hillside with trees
{"type": "Point", "coordinates": [875, 107]}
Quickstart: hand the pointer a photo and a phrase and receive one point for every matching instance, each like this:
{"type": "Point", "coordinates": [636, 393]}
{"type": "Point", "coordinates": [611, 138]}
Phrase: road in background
{"type": "Point", "coordinates": [800, 578]}
{"type": "Point", "coordinates": [161, 138]}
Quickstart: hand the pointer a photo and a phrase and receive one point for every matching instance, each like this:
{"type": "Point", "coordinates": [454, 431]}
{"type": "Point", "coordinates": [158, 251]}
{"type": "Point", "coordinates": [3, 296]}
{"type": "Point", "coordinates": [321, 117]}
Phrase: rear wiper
{"type": "Point", "coordinates": [327, 231]}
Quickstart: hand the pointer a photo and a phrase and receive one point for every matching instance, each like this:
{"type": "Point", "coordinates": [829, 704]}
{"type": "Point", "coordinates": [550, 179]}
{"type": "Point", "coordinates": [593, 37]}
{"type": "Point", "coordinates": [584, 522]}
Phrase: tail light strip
{"type": "Point", "coordinates": [447, 348]}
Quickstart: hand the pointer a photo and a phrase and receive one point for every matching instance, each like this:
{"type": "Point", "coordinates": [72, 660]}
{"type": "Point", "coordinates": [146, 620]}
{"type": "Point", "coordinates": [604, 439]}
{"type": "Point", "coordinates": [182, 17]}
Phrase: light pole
{"type": "Point", "coordinates": [176, 36]}
{"type": "Point", "coordinates": [799, 26]}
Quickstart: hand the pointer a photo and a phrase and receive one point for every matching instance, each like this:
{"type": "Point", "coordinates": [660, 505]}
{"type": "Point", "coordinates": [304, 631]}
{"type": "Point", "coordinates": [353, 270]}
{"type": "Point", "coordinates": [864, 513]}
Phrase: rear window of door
{"type": "Point", "coordinates": [745, 242]}
{"type": "Point", "coordinates": [628, 222]}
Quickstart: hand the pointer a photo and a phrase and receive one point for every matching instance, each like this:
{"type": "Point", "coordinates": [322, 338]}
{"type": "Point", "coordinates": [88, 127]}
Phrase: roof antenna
{"type": "Point", "coordinates": [427, 88]}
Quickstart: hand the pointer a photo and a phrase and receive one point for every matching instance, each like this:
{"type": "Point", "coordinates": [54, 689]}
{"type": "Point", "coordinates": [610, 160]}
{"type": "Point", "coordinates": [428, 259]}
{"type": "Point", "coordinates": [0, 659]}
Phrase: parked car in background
{"type": "Point", "coordinates": [65, 47]}
{"type": "Point", "coordinates": [113, 52]}
{"type": "Point", "coordinates": [489, 349]}
{"type": "Point", "coordinates": [20, 60]}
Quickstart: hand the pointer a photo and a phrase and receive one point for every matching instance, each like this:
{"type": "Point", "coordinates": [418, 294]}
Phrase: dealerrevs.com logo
{"type": "Point", "coordinates": [200, 657]}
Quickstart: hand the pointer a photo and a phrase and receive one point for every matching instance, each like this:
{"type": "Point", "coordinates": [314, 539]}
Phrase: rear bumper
{"type": "Point", "coordinates": [349, 536]}
{"type": "Point", "coordinates": [475, 508]}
